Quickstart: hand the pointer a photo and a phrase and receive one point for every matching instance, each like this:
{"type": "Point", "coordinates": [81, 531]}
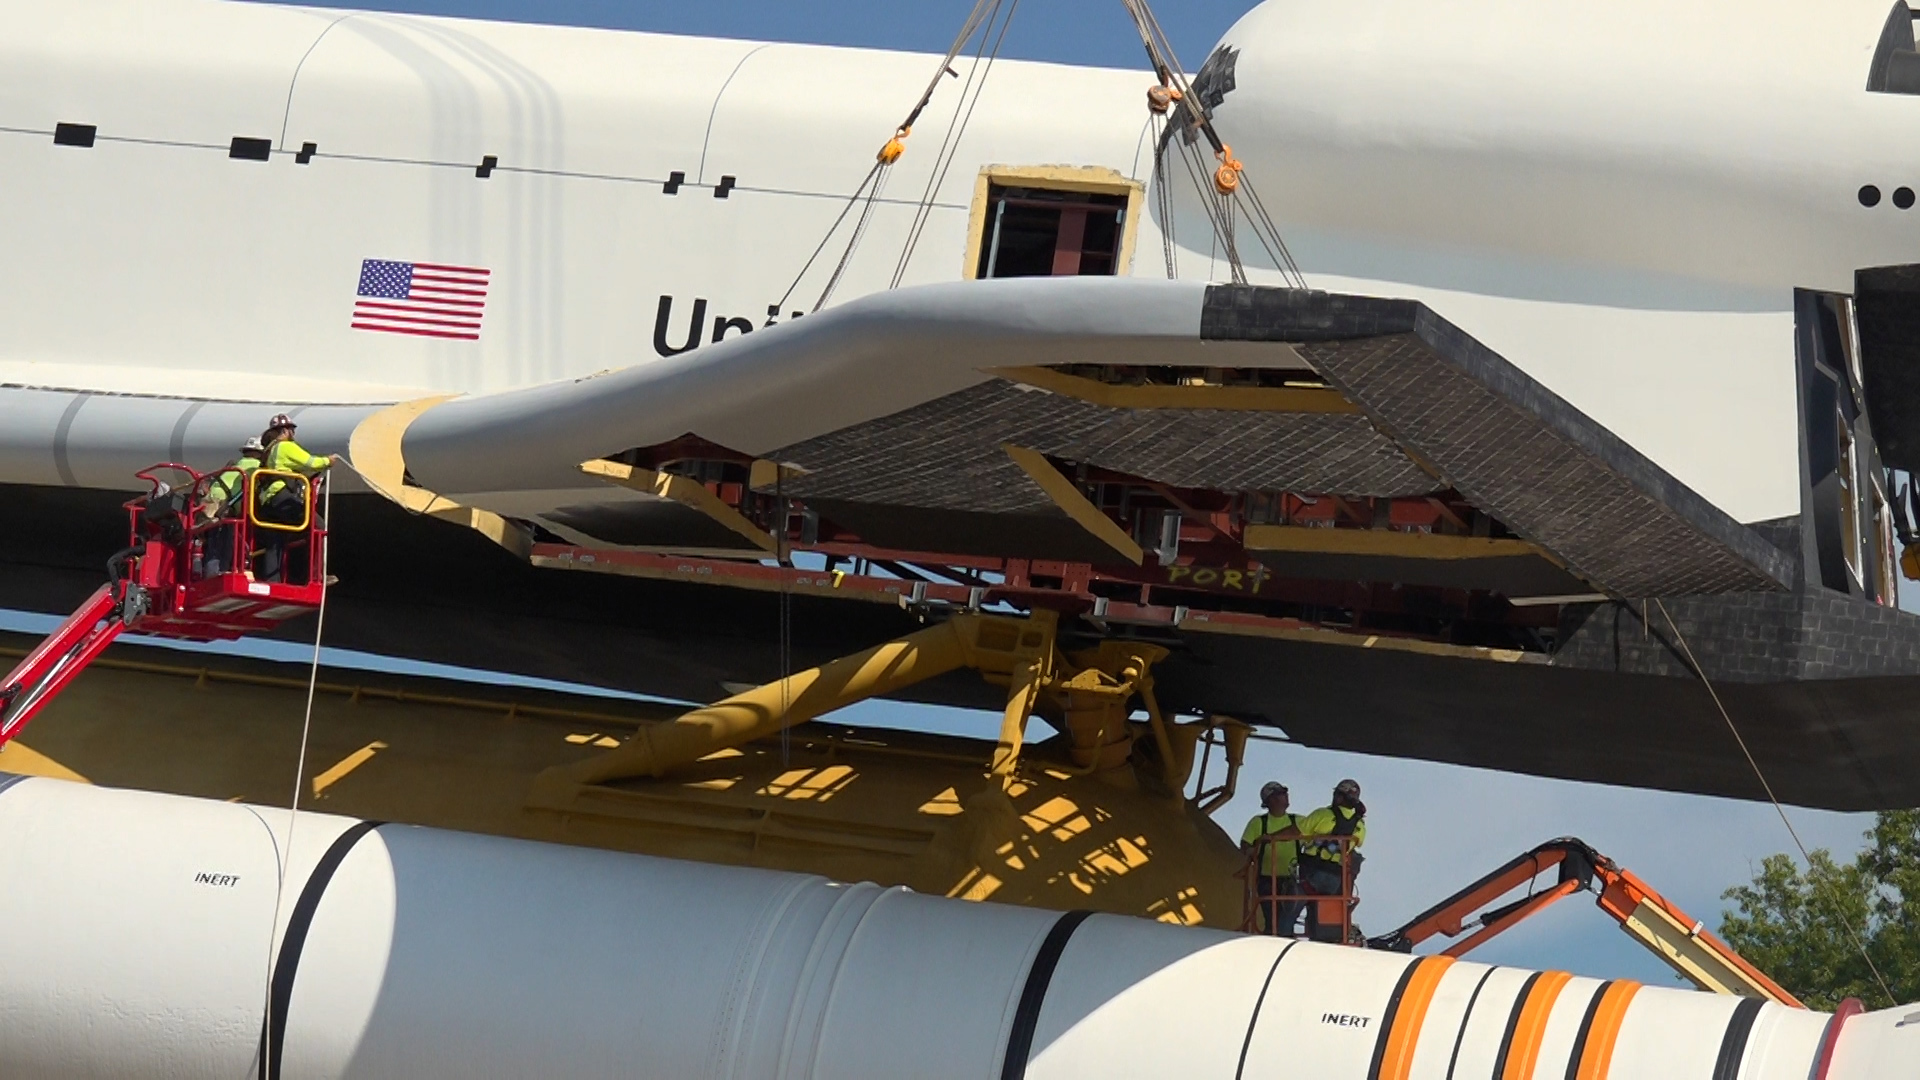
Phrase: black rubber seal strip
{"type": "Point", "coordinates": [274, 1036]}
{"type": "Point", "coordinates": [1386, 1019]}
{"type": "Point", "coordinates": [8, 779]}
{"type": "Point", "coordinates": [1733, 1045]}
{"type": "Point", "coordinates": [1026, 1016]}
{"type": "Point", "coordinates": [1254, 1020]}
{"type": "Point", "coordinates": [1586, 1028]}
{"type": "Point", "coordinates": [1513, 1023]}
{"type": "Point", "coordinates": [1460, 1038]}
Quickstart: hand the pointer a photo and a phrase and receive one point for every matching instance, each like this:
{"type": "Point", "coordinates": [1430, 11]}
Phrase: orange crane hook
{"type": "Point", "coordinates": [1226, 179]}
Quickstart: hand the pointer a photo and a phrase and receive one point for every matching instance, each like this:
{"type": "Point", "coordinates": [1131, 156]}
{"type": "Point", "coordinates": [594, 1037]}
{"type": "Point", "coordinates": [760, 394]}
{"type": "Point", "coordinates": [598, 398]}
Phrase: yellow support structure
{"type": "Point", "coordinates": [997, 645]}
{"type": "Point", "coordinates": [1032, 671]}
{"type": "Point", "coordinates": [688, 493]}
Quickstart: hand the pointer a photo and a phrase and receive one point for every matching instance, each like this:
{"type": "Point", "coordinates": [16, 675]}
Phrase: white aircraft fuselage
{"type": "Point", "coordinates": [1621, 200]}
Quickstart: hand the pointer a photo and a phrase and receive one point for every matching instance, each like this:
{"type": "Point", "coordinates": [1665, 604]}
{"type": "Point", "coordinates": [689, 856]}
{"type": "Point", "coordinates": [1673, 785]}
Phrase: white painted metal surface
{"type": "Point", "coordinates": [1619, 198]}
{"type": "Point", "coordinates": [139, 929]}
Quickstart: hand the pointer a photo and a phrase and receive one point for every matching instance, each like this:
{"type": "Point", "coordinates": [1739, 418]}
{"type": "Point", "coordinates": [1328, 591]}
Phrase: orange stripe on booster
{"type": "Point", "coordinates": [1596, 1055]}
{"type": "Point", "coordinates": [1531, 1027]}
{"type": "Point", "coordinates": [1404, 1034]}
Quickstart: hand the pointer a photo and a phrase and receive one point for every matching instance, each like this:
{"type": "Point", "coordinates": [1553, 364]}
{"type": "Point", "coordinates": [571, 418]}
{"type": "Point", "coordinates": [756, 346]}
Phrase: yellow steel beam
{"type": "Point", "coordinates": [374, 450]}
{"type": "Point", "coordinates": [1068, 498]}
{"type": "Point", "coordinates": [683, 490]}
{"type": "Point", "coordinates": [1203, 622]}
{"type": "Point", "coordinates": [1280, 399]}
{"type": "Point", "coordinates": [1388, 542]}
{"type": "Point", "coordinates": [994, 644]}
{"type": "Point", "coordinates": [1032, 672]}
{"type": "Point", "coordinates": [766, 476]}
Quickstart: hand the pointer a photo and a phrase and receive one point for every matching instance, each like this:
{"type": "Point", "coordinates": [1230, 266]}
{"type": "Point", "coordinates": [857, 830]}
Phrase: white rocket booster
{"type": "Point", "coordinates": [141, 940]}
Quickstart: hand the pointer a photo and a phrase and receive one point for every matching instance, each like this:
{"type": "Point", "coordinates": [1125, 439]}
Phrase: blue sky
{"type": "Point", "coordinates": [1067, 31]}
{"type": "Point", "coordinates": [1434, 827]}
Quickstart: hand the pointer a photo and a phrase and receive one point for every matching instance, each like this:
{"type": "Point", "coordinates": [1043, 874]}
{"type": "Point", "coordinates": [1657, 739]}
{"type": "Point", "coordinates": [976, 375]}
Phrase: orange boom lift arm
{"type": "Point", "coordinates": [1679, 939]}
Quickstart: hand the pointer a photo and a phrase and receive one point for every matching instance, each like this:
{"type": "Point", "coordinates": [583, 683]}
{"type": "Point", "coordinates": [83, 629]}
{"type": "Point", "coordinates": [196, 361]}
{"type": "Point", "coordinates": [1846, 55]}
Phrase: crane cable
{"type": "Point", "coordinates": [1699, 672]}
{"type": "Point", "coordinates": [869, 188]}
{"type": "Point", "coordinates": [1230, 179]}
{"type": "Point", "coordinates": [956, 129]}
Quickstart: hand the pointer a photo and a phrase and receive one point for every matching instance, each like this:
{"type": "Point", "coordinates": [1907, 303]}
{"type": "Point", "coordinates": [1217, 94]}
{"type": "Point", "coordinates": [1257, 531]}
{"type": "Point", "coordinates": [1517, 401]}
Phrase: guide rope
{"type": "Point", "coordinates": [783, 557]}
{"type": "Point", "coordinates": [300, 761]}
{"type": "Point", "coordinates": [1753, 764]}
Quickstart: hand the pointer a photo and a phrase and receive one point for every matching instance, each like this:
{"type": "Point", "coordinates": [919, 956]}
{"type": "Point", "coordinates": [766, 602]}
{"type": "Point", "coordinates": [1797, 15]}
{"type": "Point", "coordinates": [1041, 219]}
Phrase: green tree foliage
{"type": "Point", "coordinates": [1794, 925]}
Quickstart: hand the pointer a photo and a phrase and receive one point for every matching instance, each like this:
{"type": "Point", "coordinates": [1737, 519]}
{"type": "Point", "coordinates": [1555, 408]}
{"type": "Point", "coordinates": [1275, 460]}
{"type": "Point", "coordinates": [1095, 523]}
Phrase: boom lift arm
{"type": "Point", "coordinates": [1679, 939]}
{"type": "Point", "coordinates": [56, 661]}
{"type": "Point", "coordinates": [185, 574]}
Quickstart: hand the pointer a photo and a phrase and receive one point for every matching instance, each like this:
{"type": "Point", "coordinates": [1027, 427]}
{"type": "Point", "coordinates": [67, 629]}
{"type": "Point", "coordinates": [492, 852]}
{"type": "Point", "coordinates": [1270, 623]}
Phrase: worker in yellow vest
{"type": "Point", "coordinates": [286, 455]}
{"type": "Point", "coordinates": [1273, 861]}
{"type": "Point", "coordinates": [1320, 870]}
{"type": "Point", "coordinates": [225, 497]}
{"type": "Point", "coordinates": [227, 485]}
{"type": "Point", "coordinates": [281, 502]}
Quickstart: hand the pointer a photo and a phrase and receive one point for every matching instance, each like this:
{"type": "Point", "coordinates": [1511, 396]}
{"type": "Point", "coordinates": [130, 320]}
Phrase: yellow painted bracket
{"type": "Point", "coordinates": [1387, 542]}
{"type": "Point", "coordinates": [1067, 497]}
{"type": "Point", "coordinates": [766, 476]}
{"type": "Point", "coordinates": [1279, 399]}
{"type": "Point", "coordinates": [1019, 650]}
{"type": "Point", "coordinates": [374, 452]}
{"type": "Point", "coordinates": [1031, 658]}
{"type": "Point", "coordinates": [685, 491]}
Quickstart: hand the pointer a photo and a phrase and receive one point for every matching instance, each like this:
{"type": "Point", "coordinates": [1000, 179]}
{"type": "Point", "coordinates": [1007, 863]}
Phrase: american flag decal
{"type": "Point", "coordinates": [423, 299]}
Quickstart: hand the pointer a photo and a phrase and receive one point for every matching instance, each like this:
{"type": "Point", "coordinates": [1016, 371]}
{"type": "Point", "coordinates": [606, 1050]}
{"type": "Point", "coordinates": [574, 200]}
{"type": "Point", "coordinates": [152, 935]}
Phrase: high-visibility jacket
{"type": "Point", "coordinates": [1331, 821]}
{"type": "Point", "coordinates": [285, 455]}
{"type": "Point", "coordinates": [227, 484]}
{"type": "Point", "coordinates": [1279, 856]}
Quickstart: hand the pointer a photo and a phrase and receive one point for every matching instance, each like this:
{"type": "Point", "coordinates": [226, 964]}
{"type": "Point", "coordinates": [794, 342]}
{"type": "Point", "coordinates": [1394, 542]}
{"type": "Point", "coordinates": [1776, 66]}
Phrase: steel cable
{"type": "Point", "coordinates": [876, 176]}
{"type": "Point", "coordinates": [1701, 674]}
{"type": "Point", "coordinates": [956, 130]}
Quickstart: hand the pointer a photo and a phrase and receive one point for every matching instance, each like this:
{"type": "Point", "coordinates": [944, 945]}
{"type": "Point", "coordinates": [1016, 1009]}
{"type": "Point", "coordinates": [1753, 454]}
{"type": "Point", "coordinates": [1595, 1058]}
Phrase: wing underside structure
{"type": "Point", "coordinates": [1343, 517]}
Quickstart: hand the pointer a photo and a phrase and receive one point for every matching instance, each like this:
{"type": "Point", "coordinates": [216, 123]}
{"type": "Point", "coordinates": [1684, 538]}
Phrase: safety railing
{"type": "Point", "coordinates": [268, 528]}
{"type": "Point", "coordinates": [278, 492]}
{"type": "Point", "coordinates": [1273, 912]}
